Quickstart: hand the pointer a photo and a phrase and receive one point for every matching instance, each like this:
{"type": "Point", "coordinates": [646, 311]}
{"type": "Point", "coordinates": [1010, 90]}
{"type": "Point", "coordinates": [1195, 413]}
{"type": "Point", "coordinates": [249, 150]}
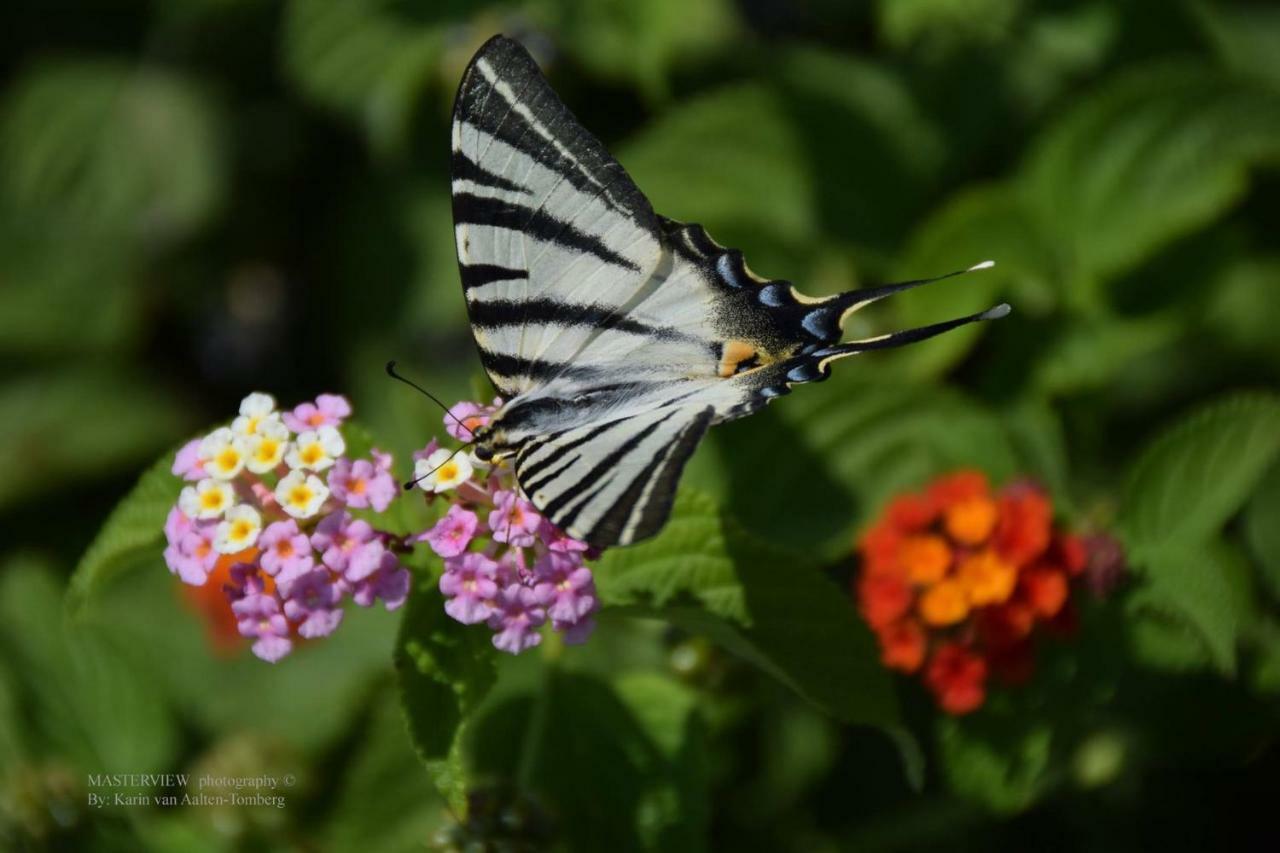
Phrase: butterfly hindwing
{"type": "Point", "coordinates": [612, 482]}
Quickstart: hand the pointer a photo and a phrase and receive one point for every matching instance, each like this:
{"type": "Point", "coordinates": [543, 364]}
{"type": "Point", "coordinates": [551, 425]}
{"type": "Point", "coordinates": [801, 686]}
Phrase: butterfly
{"type": "Point", "coordinates": [616, 336]}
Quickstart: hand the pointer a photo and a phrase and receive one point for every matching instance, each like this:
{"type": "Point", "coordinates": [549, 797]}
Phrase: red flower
{"type": "Point", "coordinates": [957, 678]}
{"type": "Point", "coordinates": [884, 599]}
{"type": "Point", "coordinates": [902, 645]}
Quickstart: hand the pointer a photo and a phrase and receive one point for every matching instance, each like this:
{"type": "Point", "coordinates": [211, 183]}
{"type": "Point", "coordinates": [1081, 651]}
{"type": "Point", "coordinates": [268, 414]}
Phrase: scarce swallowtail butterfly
{"type": "Point", "coordinates": [616, 336]}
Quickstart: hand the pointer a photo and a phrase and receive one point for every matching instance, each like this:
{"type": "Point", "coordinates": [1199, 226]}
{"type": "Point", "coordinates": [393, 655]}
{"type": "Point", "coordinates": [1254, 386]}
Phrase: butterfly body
{"type": "Point", "coordinates": [617, 336]}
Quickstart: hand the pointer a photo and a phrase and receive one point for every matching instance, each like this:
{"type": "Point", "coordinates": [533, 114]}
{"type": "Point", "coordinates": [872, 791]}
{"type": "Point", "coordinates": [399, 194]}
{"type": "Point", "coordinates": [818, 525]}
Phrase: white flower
{"type": "Point", "coordinates": [256, 412]}
{"type": "Point", "coordinates": [223, 454]}
{"type": "Point", "coordinates": [442, 470]}
{"type": "Point", "coordinates": [267, 448]}
{"type": "Point", "coordinates": [301, 495]}
{"type": "Point", "coordinates": [316, 449]}
{"type": "Point", "coordinates": [208, 498]}
{"type": "Point", "coordinates": [239, 530]}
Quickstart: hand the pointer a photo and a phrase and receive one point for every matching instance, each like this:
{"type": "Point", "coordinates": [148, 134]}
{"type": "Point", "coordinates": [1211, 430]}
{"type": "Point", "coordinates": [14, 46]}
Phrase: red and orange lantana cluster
{"type": "Point", "coordinates": [955, 582]}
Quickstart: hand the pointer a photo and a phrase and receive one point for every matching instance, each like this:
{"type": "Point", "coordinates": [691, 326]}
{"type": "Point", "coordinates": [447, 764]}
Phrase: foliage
{"type": "Point", "coordinates": [200, 199]}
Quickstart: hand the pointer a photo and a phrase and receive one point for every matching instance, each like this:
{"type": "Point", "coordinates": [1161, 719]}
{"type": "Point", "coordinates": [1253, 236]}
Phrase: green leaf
{"type": "Point", "coordinates": [370, 61]}
{"type": "Point", "coordinates": [1151, 156]}
{"type": "Point", "coordinates": [88, 702]}
{"type": "Point", "coordinates": [1198, 473]}
{"type": "Point", "coordinates": [386, 801]}
{"type": "Point", "coordinates": [134, 528]}
{"type": "Point", "coordinates": [445, 669]}
{"type": "Point", "coordinates": [79, 423]}
{"type": "Point", "coordinates": [1205, 588]}
{"type": "Point", "coordinates": [995, 760]}
{"type": "Point", "coordinates": [1262, 529]}
{"type": "Point", "coordinates": [982, 223]}
{"type": "Point", "coordinates": [638, 748]}
{"type": "Point", "coordinates": [843, 448]}
{"type": "Point", "coordinates": [54, 272]}
{"type": "Point", "coordinates": [1243, 35]}
{"type": "Point", "coordinates": [945, 25]}
{"type": "Point", "coordinates": [304, 702]}
{"type": "Point", "coordinates": [871, 151]}
{"type": "Point", "coordinates": [640, 43]}
{"type": "Point", "coordinates": [1091, 354]}
{"type": "Point", "coordinates": [115, 146]}
{"type": "Point", "coordinates": [755, 192]}
{"type": "Point", "coordinates": [1242, 302]}
{"type": "Point", "coordinates": [771, 607]}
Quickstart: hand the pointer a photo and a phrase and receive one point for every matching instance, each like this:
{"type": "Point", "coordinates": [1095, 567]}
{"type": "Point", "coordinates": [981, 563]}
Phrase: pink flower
{"type": "Point", "coordinates": [465, 418]}
{"type": "Point", "coordinates": [285, 552]}
{"type": "Point", "coordinates": [327, 410]}
{"type": "Point", "coordinates": [557, 540]}
{"type": "Point", "coordinates": [338, 537]}
{"type": "Point", "coordinates": [516, 618]}
{"type": "Point", "coordinates": [469, 585]}
{"type": "Point", "coordinates": [453, 533]}
{"type": "Point", "coordinates": [187, 464]}
{"type": "Point", "coordinates": [565, 587]}
{"type": "Point", "coordinates": [362, 484]}
{"type": "Point", "coordinates": [259, 616]}
{"type": "Point", "coordinates": [515, 521]}
{"type": "Point", "coordinates": [192, 557]}
{"type": "Point", "coordinates": [365, 560]}
{"type": "Point", "coordinates": [313, 603]}
{"type": "Point", "coordinates": [390, 583]}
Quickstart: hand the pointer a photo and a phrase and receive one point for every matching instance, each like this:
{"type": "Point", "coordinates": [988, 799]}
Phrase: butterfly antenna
{"type": "Point", "coordinates": [391, 371]}
{"type": "Point", "coordinates": [409, 484]}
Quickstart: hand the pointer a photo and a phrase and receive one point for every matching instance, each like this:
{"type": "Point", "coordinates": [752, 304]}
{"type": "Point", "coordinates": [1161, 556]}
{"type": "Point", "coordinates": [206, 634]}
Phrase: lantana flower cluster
{"type": "Point", "coordinates": [957, 580]}
{"type": "Point", "coordinates": [267, 516]}
{"type": "Point", "coordinates": [505, 565]}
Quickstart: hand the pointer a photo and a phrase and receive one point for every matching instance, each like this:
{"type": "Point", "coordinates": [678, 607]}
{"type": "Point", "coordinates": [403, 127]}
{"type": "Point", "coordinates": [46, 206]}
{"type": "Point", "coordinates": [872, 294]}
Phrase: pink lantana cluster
{"type": "Point", "coordinates": [505, 565]}
{"type": "Point", "coordinates": [266, 516]}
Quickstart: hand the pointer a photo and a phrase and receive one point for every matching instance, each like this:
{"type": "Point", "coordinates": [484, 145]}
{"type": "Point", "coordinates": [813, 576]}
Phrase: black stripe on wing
{"type": "Point", "coordinates": [536, 223]}
{"type": "Point", "coordinates": [536, 369]}
{"type": "Point", "coordinates": [509, 312]}
{"type": "Point", "coordinates": [466, 169]}
{"type": "Point", "coordinates": [477, 275]}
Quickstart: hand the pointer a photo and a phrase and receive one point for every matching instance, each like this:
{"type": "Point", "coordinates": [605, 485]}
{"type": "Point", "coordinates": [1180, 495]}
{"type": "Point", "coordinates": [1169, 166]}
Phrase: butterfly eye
{"type": "Point", "coordinates": [484, 454]}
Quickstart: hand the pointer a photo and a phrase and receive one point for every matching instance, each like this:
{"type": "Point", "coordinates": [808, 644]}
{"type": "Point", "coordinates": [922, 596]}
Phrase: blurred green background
{"type": "Point", "coordinates": [200, 198]}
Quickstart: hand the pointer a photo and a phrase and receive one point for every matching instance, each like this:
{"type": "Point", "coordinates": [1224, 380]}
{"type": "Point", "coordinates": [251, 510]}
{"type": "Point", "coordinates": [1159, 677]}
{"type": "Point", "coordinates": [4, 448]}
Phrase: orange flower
{"type": "Point", "coordinates": [1023, 531]}
{"type": "Point", "coordinates": [1045, 589]}
{"type": "Point", "coordinates": [986, 578]}
{"type": "Point", "coordinates": [910, 512]}
{"type": "Point", "coordinates": [883, 599]}
{"type": "Point", "coordinates": [957, 678]}
{"type": "Point", "coordinates": [971, 521]}
{"type": "Point", "coordinates": [902, 645]}
{"type": "Point", "coordinates": [944, 603]}
{"type": "Point", "coordinates": [924, 559]}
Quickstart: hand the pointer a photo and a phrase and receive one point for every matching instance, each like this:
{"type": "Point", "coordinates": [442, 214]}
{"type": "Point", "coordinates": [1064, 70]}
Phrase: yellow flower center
{"type": "Point", "coordinates": [241, 530]}
{"type": "Point", "coordinates": [211, 499]}
{"type": "Point", "coordinates": [228, 459]}
{"type": "Point", "coordinates": [448, 471]}
{"type": "Point", "coordinates": [312, 453]}
{"type": "Point", "coordinates": [300, 495]}
{"type": "Point", "coordinates": [268, 449]}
